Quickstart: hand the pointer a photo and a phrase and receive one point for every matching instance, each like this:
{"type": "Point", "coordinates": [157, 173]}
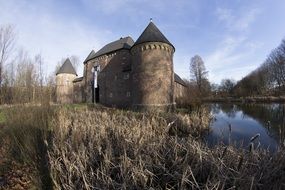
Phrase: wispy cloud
{"type": "Point", "coordinates": [230, 36]}
{"type": "Point", "coordinates": [136, 8]}
{"type": "Point", "coordinates": [230, 58]}
{"type": "Point", "coordinates": [231, 55]}
{"type": "Point", "coordinates": [52, 35]}
{"type": "Point", "coordinates": [237, 21]}
{"type": "Point", "coordinates": [108, 7]}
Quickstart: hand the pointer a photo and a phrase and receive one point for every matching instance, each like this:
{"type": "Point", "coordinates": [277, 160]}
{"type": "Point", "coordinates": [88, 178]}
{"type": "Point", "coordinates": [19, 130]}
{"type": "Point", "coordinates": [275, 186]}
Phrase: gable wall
{"type": "Point", "coordinates": [114, 83]}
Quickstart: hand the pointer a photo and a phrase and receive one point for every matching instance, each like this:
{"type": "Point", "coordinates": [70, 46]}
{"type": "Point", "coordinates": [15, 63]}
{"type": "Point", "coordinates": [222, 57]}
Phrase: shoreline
{"type": "Point", "coordinates": [263, 99]}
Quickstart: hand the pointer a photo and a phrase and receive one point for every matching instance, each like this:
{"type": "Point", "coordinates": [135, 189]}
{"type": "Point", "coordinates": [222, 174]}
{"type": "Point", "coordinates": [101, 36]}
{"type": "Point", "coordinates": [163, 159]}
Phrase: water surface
{"type": "Point", "coordinates": [238, 123]}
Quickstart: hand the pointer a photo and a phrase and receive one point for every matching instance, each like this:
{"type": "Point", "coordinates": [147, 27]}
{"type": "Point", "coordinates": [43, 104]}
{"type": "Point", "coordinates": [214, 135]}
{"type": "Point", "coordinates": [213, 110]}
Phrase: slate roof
{"type": "Point", "coordinates": [152, 34]}
{"type": "Point", "coordinates": [123, 43]}
{"type": "Point", "coordinates": [179, 80]}
{"type": "Point", "coordinates": [91, 54]}
{"type": "Point", "coordinates": [67, 68]}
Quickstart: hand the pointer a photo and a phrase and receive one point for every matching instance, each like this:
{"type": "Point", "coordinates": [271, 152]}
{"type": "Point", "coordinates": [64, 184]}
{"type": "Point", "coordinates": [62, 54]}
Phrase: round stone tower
{"type": "Point", "coordinates": [152, 71]}
{"type": "Point", "coordinates": [64, 82]}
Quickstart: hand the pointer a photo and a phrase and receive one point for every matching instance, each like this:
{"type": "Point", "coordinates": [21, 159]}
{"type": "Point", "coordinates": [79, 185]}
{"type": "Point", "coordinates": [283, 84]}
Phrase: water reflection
{"type": "Point", "coordinates": [238, 123]}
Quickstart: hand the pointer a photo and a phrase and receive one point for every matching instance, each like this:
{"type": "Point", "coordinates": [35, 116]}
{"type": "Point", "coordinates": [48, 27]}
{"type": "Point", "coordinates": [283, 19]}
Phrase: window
{"type": "Point", "coordinates": [126, 76]}
{"type": "Point", "coordinates": [116, 77]}
{"type": "Point", "coordinates": [128, 94]}
{"type": "Point", "coordinates": [111, 95]}
{"type": "Point", "coordinates": [127, 68]}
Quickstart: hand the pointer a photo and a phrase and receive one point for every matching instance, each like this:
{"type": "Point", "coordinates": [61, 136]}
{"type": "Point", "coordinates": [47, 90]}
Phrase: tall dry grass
{"type": "Point", "coordinates": [101, 148]}
{"type": "Point", "coordinates": [110, 149]}
{"type": "Point", "coordinates": [27, 129]}
{"type": "Point", "coordinates": [113, 149]}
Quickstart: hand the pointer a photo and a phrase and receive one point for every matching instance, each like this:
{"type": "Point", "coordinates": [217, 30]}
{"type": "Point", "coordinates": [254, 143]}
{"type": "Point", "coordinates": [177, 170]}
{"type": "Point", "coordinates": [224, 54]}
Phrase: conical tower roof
{"type": "Point", "coordinates": [152, 34]}
{"type": "Point", "coordinates": [67, 68]}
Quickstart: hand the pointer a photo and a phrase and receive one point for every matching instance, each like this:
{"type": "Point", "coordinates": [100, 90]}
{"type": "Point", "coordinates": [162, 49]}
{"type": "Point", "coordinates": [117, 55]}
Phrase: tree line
{"type": "Point", "coordinates": [268, 79]}
{"type": "Point", "coordinates": [199, 86]}
{"type": "Point", "coordinates": [24, 78]}
{"type": "Point", "coordinates": [21, 76]}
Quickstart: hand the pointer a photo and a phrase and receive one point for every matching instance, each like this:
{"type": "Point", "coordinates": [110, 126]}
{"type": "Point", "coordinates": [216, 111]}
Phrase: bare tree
{"type": "Point", "coordinates": [276, 63]}
{"type": "Point", "coordinates": [74, 59]}
{"type": "Point", "coordinates": [198, 73]}
{"type": "Point", "coordinates": [227, 86]}
{"type": "Point", "coordinates": [40, 64]}
{"type": "Point", "coordinates": [267, 79]}
{"type": "Point", "coordinates": [282, 47]}
{"type": "Point", "coordinates": [7, 37]}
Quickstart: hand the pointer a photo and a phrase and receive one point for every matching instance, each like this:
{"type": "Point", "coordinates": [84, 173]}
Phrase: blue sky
{"type": "Point", "coordinates": [233, 37]}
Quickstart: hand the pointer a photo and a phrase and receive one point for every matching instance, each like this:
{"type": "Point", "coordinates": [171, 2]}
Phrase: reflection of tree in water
{"type": "Point", "coordinates": [270, 115]}
{"type": "Point", "coordinates": [215, 108]}
{"type": "Point", "coordinates": [229, 109]}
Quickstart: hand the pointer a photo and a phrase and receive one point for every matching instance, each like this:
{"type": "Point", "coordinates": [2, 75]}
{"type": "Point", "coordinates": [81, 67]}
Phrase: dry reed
{"type": "Point", "coordinates": [111, 149]}
{"type": "Point", "coordinates": [102, 148]}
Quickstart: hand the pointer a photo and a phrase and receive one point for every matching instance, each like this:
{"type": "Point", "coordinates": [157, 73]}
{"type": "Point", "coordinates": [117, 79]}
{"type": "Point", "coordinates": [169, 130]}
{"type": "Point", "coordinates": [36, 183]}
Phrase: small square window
{"type": "Point", "coordinates": [126, 76]}
{"type": "Point", "coordinates": [128, 94]}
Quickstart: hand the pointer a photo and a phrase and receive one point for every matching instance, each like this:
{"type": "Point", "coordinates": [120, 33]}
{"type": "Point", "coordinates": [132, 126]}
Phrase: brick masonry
{"type": "Point", "coordinates": [138, 77]}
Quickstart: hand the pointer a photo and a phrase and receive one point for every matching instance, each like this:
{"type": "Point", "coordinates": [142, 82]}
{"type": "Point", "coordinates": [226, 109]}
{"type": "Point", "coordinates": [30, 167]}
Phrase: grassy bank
{"type": "Point", "coordinates": [254, 99]}
{"type": "Point", "coordinates": [77, 147]}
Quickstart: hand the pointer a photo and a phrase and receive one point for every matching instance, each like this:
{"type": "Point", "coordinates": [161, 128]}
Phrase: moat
{"type": "Point", "coordinates": [237, 123]}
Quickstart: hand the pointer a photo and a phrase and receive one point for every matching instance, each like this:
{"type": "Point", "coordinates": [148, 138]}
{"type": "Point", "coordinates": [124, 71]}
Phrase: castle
{"type": "Point", "coordinates": [125, 73]}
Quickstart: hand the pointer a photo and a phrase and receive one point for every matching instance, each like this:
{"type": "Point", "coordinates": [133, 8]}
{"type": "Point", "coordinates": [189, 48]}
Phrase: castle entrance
{"type": "Point", "coordinates": [97, 96]}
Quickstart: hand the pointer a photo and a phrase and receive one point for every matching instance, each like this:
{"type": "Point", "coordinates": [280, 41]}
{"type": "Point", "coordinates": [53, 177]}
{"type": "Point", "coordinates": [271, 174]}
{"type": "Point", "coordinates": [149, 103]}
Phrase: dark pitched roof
{"type": "Point", "coordinates": [78, 79]}
{"type": "Point", "coordinates": [123, 43]}
{"type": "Point", "coordinates": [179, 80]}
{"type": "Point", "coordinates": [152, 34]}
{"type": "Point", "coordinates": [67, 68]}
{"type": "Point", "coordinates": [91, 54]}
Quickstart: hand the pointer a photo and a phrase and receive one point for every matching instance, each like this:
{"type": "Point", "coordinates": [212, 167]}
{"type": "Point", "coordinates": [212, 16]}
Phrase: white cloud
{"type": "Point", "coordinates": [40, 30]}
{"type": "Point", "coordinates": [134, 8]}
{"type": "Point", "coordinates": [109, 6]}
{"type": "Point", "coordinates": [237, 21]}
{"type": "Point", "coordinates": [231, 58]}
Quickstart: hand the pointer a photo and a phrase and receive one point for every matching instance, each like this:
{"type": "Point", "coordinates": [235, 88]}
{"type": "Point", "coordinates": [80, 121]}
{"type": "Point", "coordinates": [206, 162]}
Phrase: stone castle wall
{"type": "Point", "coordinates": [153, 76]}
{"type": "Point", "coordinates": [142, 78]}
{"type": "Point", "coordinates": [78, 92]}
{"type": "Point", "coordinates": [114, 79]}
{"type": "Point", "coordinates": [64, 88]}
{"type": "Point", "coordinates": [179, 90]}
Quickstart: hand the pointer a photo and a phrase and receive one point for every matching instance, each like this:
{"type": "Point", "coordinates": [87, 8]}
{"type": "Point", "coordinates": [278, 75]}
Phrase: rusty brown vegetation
{"type": "Point", "coordinates": [80, 147]}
